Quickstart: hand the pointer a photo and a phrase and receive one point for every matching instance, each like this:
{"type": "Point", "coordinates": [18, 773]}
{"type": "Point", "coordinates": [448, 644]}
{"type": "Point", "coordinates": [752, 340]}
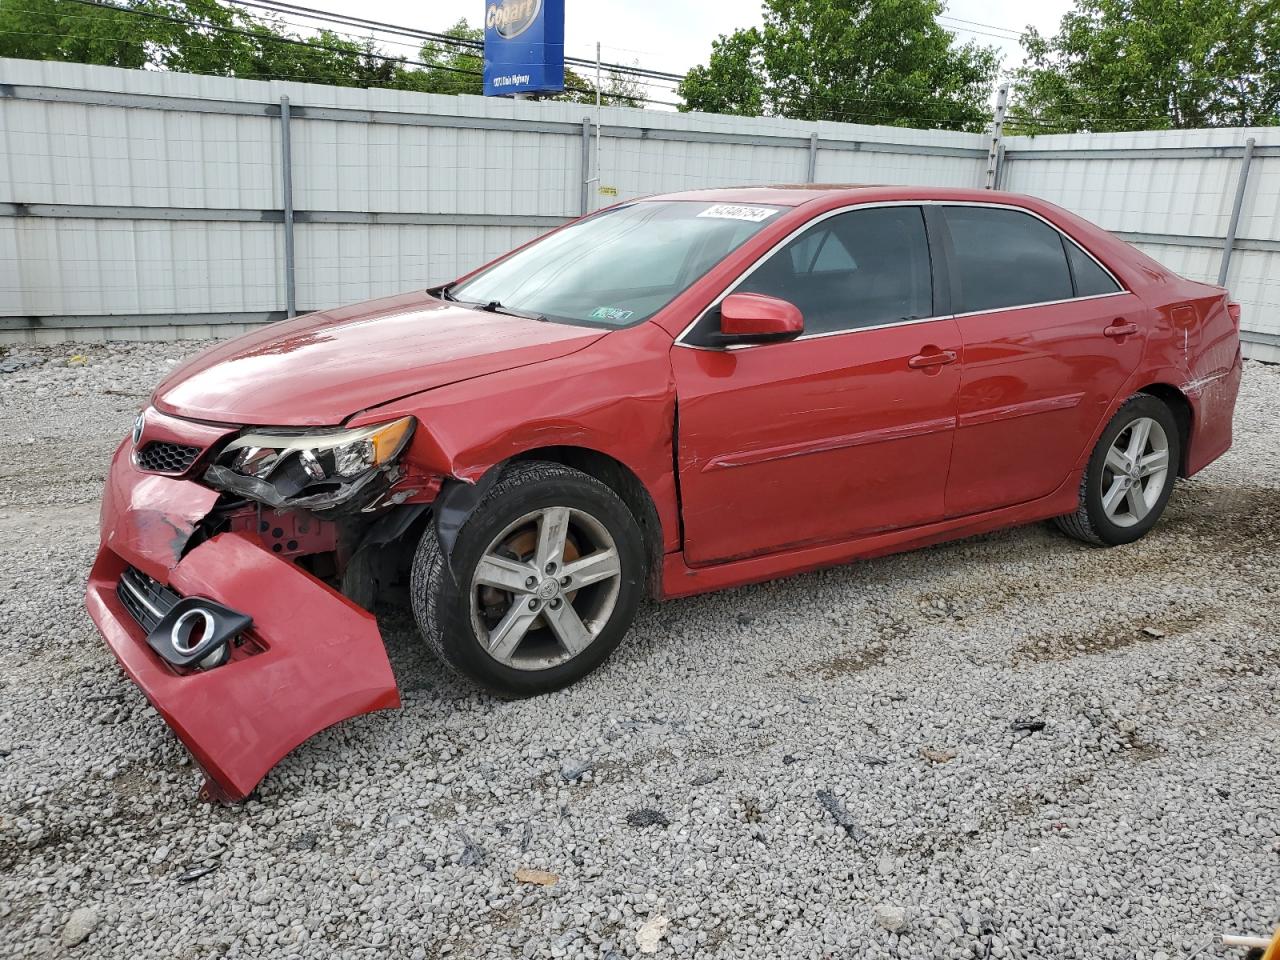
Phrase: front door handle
{"type": "Point", "coordinates": [935, 359]}
{"type": "Point", "coordinates": [1120, 329]}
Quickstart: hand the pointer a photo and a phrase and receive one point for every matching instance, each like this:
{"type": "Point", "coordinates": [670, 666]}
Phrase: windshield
{"type": "Point", "coordinates": [619, 267]}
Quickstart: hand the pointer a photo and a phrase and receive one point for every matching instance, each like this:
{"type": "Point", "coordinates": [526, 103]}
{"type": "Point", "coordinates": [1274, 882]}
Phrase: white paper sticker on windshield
{"type": "Point", "coordinates": [736, 211]}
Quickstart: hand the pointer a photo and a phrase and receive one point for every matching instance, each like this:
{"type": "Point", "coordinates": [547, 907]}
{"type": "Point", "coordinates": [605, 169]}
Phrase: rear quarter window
{"type": "Point", "coordinates": [1091, 280]}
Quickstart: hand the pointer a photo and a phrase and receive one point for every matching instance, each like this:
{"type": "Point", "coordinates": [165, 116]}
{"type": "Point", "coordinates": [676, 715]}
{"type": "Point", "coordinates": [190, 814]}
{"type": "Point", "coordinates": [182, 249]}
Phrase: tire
{"type": "Point", "coordinates": [1125, 521]}
{"type": "Point", "coordinates": [464, 620]}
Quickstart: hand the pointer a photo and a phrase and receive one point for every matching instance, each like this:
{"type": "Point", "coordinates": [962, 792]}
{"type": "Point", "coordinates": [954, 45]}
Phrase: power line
{"type": "Point", "coordinates": [945, 116]}
{"type": "Point", "coordinates": [663, 86]}
{"type": "Point", "coordinates": [292, 41]}
{"type": "Point", "coordinates": [979, 23]}
{"type": "Point", "coordinates": [280, 6]}
{"type": "Point", "coordinates": [982, 33]}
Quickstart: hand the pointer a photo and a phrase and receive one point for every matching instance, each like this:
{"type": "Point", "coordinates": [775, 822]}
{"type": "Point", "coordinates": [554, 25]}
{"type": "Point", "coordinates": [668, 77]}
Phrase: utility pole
{"type": "Point", "coordinates": [997, 131]}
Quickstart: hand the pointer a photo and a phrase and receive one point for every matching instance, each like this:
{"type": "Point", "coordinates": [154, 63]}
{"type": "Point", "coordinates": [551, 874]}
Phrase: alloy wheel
{"type": "Point", "coordinates": [545, 588]}
{"type": "Point", "coordinates": [1135, 472]}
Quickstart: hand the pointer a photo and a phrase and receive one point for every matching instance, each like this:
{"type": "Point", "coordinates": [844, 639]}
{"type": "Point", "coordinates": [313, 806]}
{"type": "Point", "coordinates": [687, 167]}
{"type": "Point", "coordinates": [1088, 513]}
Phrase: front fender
{"type": "Point", "coordinates": [615, 397]}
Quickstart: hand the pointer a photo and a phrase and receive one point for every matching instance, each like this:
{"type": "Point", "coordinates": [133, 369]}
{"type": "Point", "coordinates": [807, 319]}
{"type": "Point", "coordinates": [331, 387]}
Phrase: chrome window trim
{"type": "Point", "coordinates": [679, 340]}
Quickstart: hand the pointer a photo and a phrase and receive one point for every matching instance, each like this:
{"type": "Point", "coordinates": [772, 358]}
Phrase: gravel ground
{"type": "Point", "coordinates": [821, 766]}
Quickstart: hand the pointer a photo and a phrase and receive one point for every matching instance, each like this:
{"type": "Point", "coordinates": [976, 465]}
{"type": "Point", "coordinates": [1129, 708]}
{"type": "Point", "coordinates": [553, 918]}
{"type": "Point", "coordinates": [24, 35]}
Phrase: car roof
{"type": "Point", "coordinates": [795, 195]}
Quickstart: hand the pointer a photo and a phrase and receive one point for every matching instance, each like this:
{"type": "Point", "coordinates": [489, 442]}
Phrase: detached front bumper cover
{"type": "Point", "coordinates": [319, 658]}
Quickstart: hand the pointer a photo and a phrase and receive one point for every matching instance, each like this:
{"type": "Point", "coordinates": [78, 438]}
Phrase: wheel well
{"type": "Point", "coordinates": [1180, 407]}
{"type": "Point", "coordinates": [619, 478]}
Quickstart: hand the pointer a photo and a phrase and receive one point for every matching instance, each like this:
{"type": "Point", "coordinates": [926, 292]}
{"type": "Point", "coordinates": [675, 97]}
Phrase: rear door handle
{"type": "Point", "coordinates": [932, 359]}
{"type": "Point", "coordinates": [1120, 328]}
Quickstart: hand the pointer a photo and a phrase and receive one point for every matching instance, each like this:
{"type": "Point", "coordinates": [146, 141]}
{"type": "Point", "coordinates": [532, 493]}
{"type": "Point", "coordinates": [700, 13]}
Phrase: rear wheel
{"type": "Point", "coordinates": [542, 584]}
{"type": "Point", "coordinates": [1130, 475]}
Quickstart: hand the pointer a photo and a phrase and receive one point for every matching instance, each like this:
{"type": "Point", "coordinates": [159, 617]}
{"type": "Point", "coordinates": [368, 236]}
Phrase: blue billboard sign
{"type": "Point", "coordinates": [523, 47]}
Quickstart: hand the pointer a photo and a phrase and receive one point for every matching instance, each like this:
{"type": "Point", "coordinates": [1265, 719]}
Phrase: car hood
{"type": "Point", "coordinates": [319, 369]}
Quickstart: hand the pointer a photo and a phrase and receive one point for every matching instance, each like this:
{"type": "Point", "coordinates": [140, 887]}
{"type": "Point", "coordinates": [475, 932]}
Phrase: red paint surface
{"type": "Point", "coordinates": [146, 518]}
{"type": "Point", "coordinates": [810, 440]}
{"type": "Point", "coordinates": [1018, 434]}
{"type": "Point", "coordinates": [760, 462]}
{"type": "Point", "coordinates": [755, 313]}
{"type": "Point", "coordinates": [319, 369]}
{"type": "Point", "coordinates": [323, 660]}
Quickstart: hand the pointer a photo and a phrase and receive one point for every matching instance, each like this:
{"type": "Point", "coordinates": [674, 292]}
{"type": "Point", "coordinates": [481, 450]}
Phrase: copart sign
{"type": "Point", "coordinates": [523, 47]}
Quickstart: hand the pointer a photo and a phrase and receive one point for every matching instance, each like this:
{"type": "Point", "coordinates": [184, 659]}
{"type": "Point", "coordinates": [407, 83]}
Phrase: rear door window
{"type": "Point", "coordinates": [1005, 258]}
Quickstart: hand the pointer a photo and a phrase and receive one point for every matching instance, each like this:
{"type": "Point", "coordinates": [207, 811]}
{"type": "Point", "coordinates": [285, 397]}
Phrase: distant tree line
{"type": "Point", "coordinates": [207, 37]}
{"type": "Point", "coordinates": [1111, 65]}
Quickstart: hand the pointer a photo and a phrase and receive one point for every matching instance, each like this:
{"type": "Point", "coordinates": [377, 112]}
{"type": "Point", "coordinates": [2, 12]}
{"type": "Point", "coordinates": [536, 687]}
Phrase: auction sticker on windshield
{"type": "Point", "coordinates": [736, 211]}
{"type": "Point", "coordinates": [616, 314]}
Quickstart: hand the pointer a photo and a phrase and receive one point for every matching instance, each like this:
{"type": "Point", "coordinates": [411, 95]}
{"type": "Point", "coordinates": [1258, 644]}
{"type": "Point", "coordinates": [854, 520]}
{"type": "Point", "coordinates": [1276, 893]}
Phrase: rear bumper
{"type": "Point", "coordinates": [1213, 405]}
{"type": "Point", "coordinates": [315, 658]}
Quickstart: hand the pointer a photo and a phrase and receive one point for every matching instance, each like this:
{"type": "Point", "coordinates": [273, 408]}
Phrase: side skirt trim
{"type": "Point", "coordinates": [681, 580]}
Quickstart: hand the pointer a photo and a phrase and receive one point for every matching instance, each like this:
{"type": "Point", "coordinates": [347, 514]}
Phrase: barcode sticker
{"type": "Point", "coordinates": [736, 211]}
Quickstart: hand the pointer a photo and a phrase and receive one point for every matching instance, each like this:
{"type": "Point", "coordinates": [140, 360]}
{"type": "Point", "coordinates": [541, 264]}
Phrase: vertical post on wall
{"type": "Point", "coordinates": [1000, 158]}
{"type": "Point", "coordinates": [813, 159]}
{"type": "Point", "coordinates": [585, 198]}
{"type": "Point", "coordinates": [286, 173]}
{"type": "Point", "coordinates": [1234, 223]}
{"type": "Point", "coordinates": [599, 175]}
{"type": "Point", "coordinates": [997, 130]}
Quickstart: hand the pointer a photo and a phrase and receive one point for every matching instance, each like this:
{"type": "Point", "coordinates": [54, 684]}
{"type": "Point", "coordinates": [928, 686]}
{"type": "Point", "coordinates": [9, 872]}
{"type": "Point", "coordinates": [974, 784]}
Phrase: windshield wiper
{"type": "Point", "coordinates": [493, 306]}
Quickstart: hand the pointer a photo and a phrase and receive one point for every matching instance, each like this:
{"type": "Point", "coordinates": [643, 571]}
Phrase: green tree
{"type": "Point", "coordinates": [451, 68]}
{"type": "Point", "coordinates": [190, 36]}
{"type": "Point", "coordinates": [861, 61]}
{"type": "Point", "coordinates": [48, 30]}
{"type": "Point", "coordinates": [207, 37]}
{"type": "Point", "coordinates": [1151, 65]}
{"type": "Point", "coordinates": [733, 79]}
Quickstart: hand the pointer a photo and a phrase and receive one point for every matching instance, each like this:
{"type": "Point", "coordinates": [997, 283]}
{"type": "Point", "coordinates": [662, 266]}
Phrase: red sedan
{"type": "Point", "coordinates": [673, 395]}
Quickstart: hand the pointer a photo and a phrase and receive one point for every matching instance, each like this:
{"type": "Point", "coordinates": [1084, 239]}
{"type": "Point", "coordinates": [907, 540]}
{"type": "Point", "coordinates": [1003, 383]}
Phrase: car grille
{"type": "Point", "coordinates": [146, 600]}
{"type": "Point", "coordinates": [159, 456]}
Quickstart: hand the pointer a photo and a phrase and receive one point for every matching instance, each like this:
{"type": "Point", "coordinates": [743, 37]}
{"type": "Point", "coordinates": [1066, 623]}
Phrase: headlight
{"type": "Point", "coordinates": [338, 455]}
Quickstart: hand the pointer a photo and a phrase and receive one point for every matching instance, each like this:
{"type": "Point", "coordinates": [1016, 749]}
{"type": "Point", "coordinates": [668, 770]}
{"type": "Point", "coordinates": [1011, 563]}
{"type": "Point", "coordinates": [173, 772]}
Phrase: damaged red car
{"type": "Point", "coordinates": [670, 396]}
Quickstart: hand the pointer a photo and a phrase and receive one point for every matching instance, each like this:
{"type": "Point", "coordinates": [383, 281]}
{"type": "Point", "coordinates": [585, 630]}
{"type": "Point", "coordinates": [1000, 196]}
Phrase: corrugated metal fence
{"type": "Point", "coordinates": [143, 204]}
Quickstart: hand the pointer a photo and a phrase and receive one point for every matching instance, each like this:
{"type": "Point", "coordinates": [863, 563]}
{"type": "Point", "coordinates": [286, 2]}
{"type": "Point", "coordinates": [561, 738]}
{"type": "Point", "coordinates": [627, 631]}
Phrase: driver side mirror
{"type": "Point", "coordinates": [757, 318]}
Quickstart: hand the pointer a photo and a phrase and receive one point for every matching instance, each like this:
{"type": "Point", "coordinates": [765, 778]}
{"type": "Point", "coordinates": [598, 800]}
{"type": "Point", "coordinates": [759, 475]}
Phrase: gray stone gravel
{"type": "Point", "coordinates": [1141, 821]}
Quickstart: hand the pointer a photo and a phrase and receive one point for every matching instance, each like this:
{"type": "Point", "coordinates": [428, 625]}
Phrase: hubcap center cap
{"type": "Point", "coordinates": [549, 588]}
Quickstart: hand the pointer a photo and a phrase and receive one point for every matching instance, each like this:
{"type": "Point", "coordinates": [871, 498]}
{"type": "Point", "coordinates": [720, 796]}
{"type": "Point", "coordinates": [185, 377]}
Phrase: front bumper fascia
{"type": "Point", "coordinates": [320, 657]}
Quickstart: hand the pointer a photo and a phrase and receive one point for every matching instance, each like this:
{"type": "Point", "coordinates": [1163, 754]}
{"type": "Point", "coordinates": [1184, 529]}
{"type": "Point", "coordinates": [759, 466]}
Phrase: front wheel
{"type": "Point", "coordinates": [1130, 475]}
{"type": "Point", "coordinates": [542, 583]}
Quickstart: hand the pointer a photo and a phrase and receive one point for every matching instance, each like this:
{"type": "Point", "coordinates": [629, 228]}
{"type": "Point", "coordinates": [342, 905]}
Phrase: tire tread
{"type": "Point", "coordinates": [431, 577]}
{"type": "Point", "coordinates": [1080, 524]}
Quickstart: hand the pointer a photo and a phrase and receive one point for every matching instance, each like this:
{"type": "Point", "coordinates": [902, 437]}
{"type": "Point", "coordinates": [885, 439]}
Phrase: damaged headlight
{"type": "Point", "coordinates": [309, 468]}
